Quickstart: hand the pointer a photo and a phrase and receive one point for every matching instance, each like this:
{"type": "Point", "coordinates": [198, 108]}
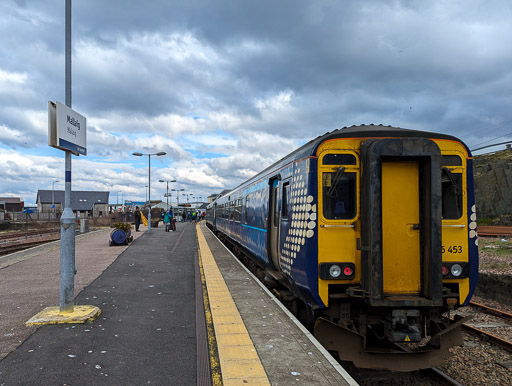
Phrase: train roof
{"type": "Point", "coordinates": [362, 131]}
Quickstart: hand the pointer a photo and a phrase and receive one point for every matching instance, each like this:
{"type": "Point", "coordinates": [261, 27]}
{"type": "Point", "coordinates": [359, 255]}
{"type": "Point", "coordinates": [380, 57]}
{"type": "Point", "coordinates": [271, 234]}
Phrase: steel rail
{"type": "Point", "coordinates": [491, 310]}
{"type": "Point", "coordinates": [443, 378]}
{"type": "Point", "coordinates": [11, 248]}
{"type": "Point", "coordinates": [486, 336]}
{"type": "Point", "coordinates": [25, 234]}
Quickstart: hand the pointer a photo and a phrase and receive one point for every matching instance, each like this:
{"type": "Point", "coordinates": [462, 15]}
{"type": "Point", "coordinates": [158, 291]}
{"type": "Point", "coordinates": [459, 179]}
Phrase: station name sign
{"type": "Point", "coordinates": [67, 129]}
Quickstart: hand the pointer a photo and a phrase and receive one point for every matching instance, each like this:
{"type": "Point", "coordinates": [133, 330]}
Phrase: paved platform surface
{"type": "Point", "coordinates": [146, 333]}
{"type": "Point", "coordinates": [29, 281]}
{"type": "Point", "coordinates": [288, 352]}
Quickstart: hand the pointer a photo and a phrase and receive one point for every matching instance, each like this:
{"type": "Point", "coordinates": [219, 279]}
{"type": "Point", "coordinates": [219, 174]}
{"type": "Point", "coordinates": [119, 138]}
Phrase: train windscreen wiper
{"type": "Point", "coordinates": [335, 180]}
{"type": "Point", "coordinates": [454, 183]}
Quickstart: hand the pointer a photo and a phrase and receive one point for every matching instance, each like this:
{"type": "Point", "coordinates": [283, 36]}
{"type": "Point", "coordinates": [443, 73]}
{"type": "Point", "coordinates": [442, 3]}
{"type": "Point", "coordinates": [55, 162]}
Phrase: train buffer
{"type": "Point", "coordinates": [177, 309]}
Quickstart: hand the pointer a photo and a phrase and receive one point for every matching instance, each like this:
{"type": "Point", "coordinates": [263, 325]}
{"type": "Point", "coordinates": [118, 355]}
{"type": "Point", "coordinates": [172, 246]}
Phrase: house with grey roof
{"type": "Point", "coordinates": [87, 203]}
{"type": "Point", "coordinates": [11, 204]}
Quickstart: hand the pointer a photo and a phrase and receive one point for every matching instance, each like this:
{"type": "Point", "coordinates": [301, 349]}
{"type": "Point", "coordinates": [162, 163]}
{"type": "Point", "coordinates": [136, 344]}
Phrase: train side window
{"type": "Point", "coordinates": [339, 190]}
{"type": "Point", "coordinates": [246, 209]}
{"type": "Point", "coordinates": [451, 185]}
{"type": "Point", "coordinates": [276, 207]}
{"type": "Point", "coordinates": [285, 200]}
{"type": "Point", "coordinates": [238, 210]}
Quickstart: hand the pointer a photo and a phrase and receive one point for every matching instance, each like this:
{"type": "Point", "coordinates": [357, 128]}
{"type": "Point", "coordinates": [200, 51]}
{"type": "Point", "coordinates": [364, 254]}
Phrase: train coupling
{"type": "Point", "coordinates": [402, 326]}
{"type": "Point", "coordinates": [352, 346]}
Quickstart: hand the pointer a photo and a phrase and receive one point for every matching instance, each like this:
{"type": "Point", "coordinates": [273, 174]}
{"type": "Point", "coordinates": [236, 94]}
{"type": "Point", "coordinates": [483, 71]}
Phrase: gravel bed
{"type": "Point", "coordinates": [495, 255]}
{"type": "Point", "coordinates": [476, 362]}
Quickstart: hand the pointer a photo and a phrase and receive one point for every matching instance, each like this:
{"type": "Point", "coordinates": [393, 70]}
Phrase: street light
{"type": "Point", "coordinates": [137, 154]}
{"type": "Point", "coordinates": [167, 195]}
{"type": "Point", "coordinates": [177, 194]}
{"type": "Point", "coordinates": [53, 195]}
{"type": "Point", "coordinates": [188, 194]}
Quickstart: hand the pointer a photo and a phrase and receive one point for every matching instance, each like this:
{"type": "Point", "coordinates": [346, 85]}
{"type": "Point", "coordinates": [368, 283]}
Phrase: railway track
{"type": "Point", "coordinates": [5, 237]}
{"type": "Point", "coordinates": [8, 249]}
{"type": "Point", "coordinates": [18, 241]}
{"type": "Point", "coordinates": [485, 335]}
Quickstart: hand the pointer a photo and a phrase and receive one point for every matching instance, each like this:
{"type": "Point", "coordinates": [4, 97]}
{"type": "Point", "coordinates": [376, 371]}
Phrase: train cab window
{"type": "Point", "coordinates": [339, 190]}
{"type": "Point", "coordinates": [451, 160]}
{"type": "Point", "coordinates": [339, 159]}
{"type": "Point", "coordinates": [451, 185]}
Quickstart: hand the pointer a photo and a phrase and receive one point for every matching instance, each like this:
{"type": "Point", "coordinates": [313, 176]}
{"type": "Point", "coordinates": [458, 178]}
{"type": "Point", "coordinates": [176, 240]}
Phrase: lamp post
{"type": "Point", "coordinates": [137, 154]}
{"type": "Point", "coordinates": [177, 195]}
{"type": "Point", "coordinates": [53, 195]}
{"type": "Point", "coordinates": [167, 195]}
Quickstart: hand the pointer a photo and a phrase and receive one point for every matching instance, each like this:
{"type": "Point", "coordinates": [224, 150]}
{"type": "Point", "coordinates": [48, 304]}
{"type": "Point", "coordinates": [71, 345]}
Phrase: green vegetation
{"type": "Point", "coordinates": [484, 221]}
{"type": "Point", "coordinates": [495, 246]}
{"type": "Point", "coordinates": [123, 225]}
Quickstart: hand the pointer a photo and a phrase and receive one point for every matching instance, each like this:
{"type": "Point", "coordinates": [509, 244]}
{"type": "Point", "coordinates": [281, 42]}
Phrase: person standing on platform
{"type": "Point", "coordinates": [173, 220]}
{"type": "Point", "coordinates": [167, 221]}
{"type": "Point", "coordinates": [137, 217]}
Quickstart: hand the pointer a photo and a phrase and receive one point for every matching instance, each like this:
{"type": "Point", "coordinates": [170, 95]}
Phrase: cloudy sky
{"type": "Point", "coordinates": [225, 88]}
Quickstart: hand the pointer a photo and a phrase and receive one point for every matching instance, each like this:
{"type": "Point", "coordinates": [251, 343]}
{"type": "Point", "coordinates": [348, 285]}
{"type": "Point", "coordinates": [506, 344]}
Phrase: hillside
{"type": "Point", "coordinates": [493, 183]}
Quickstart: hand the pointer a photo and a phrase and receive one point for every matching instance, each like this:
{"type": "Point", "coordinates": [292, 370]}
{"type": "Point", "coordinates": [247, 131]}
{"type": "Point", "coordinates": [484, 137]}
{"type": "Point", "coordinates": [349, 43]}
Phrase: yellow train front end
{"type": "Point", "coordinates": [396, 227]}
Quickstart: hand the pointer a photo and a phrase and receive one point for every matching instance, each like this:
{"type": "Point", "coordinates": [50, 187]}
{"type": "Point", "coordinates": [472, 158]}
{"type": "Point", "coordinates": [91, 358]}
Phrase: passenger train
{"type": "Point", "coordinates": [368, 234]}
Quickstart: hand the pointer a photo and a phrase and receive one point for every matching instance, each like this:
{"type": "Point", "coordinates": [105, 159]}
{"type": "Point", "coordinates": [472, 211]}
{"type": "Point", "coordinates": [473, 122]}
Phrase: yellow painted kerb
{"type": "Point", "coordinates": [53, 315]}
{"type": "Point", "coordinates": [239, 361]}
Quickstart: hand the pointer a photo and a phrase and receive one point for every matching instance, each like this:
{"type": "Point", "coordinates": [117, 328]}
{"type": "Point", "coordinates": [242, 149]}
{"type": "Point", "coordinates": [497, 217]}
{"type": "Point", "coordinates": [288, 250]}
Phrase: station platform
{"type": "Point", "coordinates": [177, 309]}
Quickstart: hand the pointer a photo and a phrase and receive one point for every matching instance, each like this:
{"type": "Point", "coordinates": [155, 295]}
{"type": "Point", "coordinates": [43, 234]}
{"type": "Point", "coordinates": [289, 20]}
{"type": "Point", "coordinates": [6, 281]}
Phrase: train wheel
{"type": "Point", "coordinates": [305, 314]}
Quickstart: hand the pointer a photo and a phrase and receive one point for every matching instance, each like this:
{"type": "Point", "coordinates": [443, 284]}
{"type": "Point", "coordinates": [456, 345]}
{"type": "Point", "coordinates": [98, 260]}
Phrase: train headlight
{"type": "Point", "coordinates": [335, 271]}
{"type": "Point", "coordinates": [456, 270]}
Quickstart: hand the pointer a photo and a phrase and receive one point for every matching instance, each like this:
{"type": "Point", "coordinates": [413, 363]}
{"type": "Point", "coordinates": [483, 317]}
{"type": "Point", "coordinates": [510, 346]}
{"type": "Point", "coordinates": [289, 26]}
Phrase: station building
{"type": "Point", "coordinates": [11, 204]}
{"type": "Point", "coordinates": [86, 203]}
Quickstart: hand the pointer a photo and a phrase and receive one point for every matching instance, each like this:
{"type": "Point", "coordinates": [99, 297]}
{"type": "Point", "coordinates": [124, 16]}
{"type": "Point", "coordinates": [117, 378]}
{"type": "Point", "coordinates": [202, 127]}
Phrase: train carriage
{"type": "Point", "coordinates": [369, 234]}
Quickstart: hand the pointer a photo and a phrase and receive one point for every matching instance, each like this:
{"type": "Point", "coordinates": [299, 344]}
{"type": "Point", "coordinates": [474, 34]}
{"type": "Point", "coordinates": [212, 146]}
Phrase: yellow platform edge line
{"type": "Point", "coordinates": [210, 331]}
{"type": "Point", "coordinates": [218, 292]}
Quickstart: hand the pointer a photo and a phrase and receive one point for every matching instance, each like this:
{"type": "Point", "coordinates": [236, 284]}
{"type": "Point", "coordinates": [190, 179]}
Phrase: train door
{"type": "Point", "coordinates": [214, 220]}
{"type": "Point", "coordinates": [401, 221]}
{"type": "Point", "coordinates": [274, 221]}
{"type": "Point", "coordinates": [284, 216]}
{"type": "Point", "coordinates": [401, 263]}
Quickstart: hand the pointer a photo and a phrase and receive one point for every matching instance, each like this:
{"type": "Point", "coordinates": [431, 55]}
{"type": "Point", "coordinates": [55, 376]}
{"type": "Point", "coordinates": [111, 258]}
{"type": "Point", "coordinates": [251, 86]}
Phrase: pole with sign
{"type": "Point", "coordinates": [66, 131]}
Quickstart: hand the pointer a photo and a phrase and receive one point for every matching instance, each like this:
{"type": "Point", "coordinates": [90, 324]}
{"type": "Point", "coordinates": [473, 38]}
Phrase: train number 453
{"type": "Point", "coordinates": [452, 249]}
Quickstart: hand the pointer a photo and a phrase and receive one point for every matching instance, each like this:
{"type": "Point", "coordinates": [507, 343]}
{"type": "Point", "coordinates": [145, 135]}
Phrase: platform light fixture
{"type": "Point", "coordinates": [177, 194]}
{"type": "Point", "coordinates": [167, 194]}
{"type": "Point", "coordinates": [138, 154]}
